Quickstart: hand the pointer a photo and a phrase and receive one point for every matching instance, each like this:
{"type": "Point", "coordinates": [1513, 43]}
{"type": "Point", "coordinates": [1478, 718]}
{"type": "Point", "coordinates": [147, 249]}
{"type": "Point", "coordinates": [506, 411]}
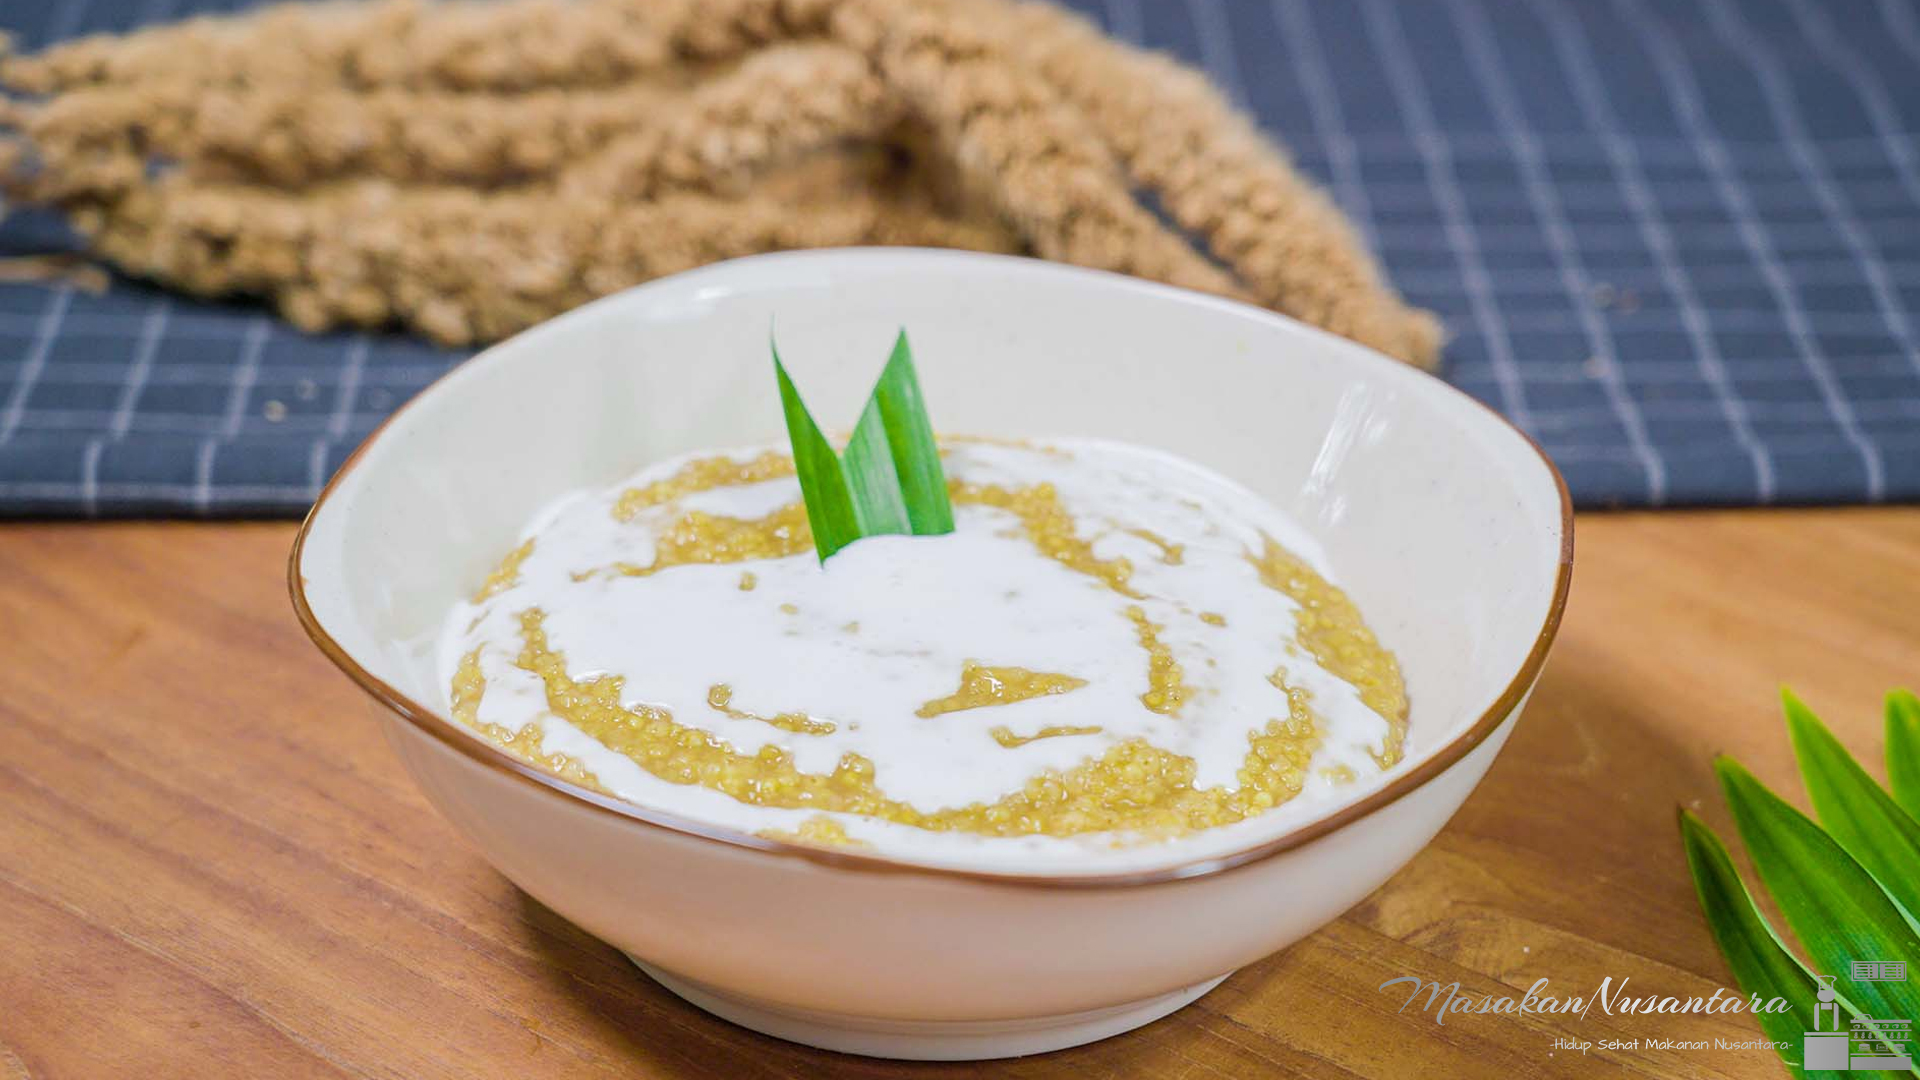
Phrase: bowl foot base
{"type": "Point", "coordinates": [928, 1040]}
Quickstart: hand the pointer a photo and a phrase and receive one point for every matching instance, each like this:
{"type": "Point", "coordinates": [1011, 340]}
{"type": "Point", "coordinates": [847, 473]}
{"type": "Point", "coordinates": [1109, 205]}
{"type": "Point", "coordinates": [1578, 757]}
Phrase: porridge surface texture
{"type": "Point", "coordinates": [1114, 647]}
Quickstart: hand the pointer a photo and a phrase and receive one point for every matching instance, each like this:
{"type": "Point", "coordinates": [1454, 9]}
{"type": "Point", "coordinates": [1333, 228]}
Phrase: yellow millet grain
{"type": "Point", "coordinates": [700, 537]}
{"type": "Point", "coordinates": [469, 685]}
{"type": "Point", "coordinates": [506, 575]}
{"type": "Point", "coordinates": [1049, 527]}
{"type": "Point", "coordinates": [1167, 689]}
{"type": "Point", "coordinates": [1330, 628]}
{"type": "Point", "coordinates": [817, 831]}
{"type": "Point", "coordinates": [1282, 751]}
{"type": "Point", "coordinates": [1170, 553]}
{"type": "Point", "coordinates": [720, 699]}
{"type": "Point", "coordinates": [1133, 787]}
{"type": "Point", "coordinates": [982, 686]}
{"type": "Point", "coordinates": [1005, 736]}
{"type": "Point", "coordinates": [702, 474]}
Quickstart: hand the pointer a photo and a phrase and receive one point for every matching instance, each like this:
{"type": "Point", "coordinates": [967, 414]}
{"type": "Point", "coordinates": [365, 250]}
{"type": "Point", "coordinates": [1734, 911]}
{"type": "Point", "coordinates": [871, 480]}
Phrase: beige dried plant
{"type": "Point", "coordinates": [469, 168]}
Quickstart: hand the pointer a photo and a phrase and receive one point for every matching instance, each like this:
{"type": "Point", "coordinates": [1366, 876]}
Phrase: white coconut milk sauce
{"type": "Point", "coordinates": [886, 626]}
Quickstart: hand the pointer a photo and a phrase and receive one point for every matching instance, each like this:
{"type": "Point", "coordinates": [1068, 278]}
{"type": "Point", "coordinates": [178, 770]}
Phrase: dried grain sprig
{"type": "Point", "coordinates": [1031, 152]}
{"type": "Point", "coordinates": [782, 103]}
{"type": "Point", "coordinates": [779, 103]}
{"type": "Point", "coordinates": [999, 116]}
{"type": "Point", "coordinates": [465, 267]}
{"type": "Point", "coordinates": [1220, 179]}
{"type": "Point", "coordinates": [462, 45]}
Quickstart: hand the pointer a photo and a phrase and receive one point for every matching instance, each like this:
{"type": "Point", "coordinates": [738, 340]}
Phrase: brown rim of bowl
{"type": "Point", "coordinates": [454, 736]}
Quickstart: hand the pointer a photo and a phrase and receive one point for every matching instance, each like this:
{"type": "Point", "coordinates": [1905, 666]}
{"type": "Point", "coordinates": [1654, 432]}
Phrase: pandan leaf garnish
{"type": "Point", "coordinates": [1864, 819]}
{"type": "Point", "coordinates": [1847, 887]}
{"type": "Point", "coordinates": [1761, 964]}
{"type": "Point", "coordinates": [888, 481]}
{"type": "Point", "coordinates": [1903, 749]}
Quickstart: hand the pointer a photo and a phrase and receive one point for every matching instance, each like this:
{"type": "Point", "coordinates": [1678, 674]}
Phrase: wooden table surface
{"type": "Point", "coordinates": [211, 864]}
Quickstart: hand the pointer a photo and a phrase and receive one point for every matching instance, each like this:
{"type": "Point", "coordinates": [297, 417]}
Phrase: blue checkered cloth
{"type": "Point", "coordinates": [1678, 242]}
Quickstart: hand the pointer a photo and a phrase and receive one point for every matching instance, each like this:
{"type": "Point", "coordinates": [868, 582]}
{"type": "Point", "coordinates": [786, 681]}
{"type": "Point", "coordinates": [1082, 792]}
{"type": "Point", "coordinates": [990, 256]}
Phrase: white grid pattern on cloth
{"type": "Point", "coordinates": [66, 20]}
{"type": "Point", "coordinates": [1680, 83]}
{"type": "Point", "coordinates": [1871, 89]}
{"type": "Point", "coordinates": [1445, 187]}
{"type": "Point", "coordinates": [1329, 121]}
{"type": "Point", "coordinates": [1786, 114]}
{"type": "Point", "coordinates": [1570, 49]}
{"type": "Point", "coordinates": [1680, 247]}
{"type": "Point", "coordinates": [1905, 25]}
{"type": "Point", "coordinates": [1484, 60]}
{"type": "Point", "coordinates": [48, 328]}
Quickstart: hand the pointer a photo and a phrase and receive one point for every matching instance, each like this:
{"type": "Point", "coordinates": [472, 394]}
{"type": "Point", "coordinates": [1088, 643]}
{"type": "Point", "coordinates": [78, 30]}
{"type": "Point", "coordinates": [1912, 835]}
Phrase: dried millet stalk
{"type": "Point", "coordinates": [290, 137]}
{"type": "Point", "coordinates": [778, 103]}
{"type": "Point", "coordinates": [459, 45]}
{"type": "Point", "coordinates": [782, 103]}
{"type": "Point", "coordinates": [1052, 178]}
{"type": "Point", "coordinates": [1221, 180]}
{"type": "Point", "coordinates": [467, 267]}
{"type": "Point", "coordinates": [465, 168]}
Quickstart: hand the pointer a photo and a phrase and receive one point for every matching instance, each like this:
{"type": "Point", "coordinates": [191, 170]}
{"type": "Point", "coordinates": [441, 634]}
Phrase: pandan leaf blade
{"type": "Point", "coordinates": [1854, 810]}
{"type": "Point", "coordinates": [1761, 965]}
{"type": "Point", "coordinates": [830, 508]}
{"type": "Point", "coordinates": [1836, 909]}
{"type": "Point", "coordinates": [868, 463]}
{"type": "Point", "coordinates": [909, 439]}
{"type": "Point", "coordinates": [1903, 750]}
{"type": "Point", "coordinates": [888, 481]}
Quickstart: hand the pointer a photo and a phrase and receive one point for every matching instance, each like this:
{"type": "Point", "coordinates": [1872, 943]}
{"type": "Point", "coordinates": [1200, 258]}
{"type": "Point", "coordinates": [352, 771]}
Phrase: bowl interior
{"type": "Point", "coordinates": [1444, 524]}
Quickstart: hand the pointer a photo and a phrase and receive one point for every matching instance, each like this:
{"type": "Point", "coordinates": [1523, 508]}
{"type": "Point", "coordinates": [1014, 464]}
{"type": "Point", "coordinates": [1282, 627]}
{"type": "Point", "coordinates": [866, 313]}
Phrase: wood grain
{"type": "Point", "coordinates": [210, 865]}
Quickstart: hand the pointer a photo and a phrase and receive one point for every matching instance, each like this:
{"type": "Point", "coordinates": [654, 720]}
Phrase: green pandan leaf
{"type": "Point", "coordinates": [879, 503]}
{"type": "Point", "coordinates": [894, 426]}
{"type": "Point", "coordinates": [1761, 964]}
{"type": "Point", "coordinates": [830, 509]}
{"type": "Point", "coordinates": [1854, 810]}
{"type": "Point", "coordinates": [1832, 903]}
{"type": "Point", "coordinates": [1903, 750]}
{"type": "Point", "coordinates": [888, 481]}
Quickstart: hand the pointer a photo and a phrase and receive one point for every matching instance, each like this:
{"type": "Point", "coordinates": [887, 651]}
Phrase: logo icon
{"type": "Point", "coordinates": [1868, 1044]}
{"type": "Point", "coordinates": [1879, 971]}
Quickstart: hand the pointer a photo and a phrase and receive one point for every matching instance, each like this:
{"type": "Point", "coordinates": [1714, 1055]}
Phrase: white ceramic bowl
{"type": "Point", "coordinates": [1449, 528]}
